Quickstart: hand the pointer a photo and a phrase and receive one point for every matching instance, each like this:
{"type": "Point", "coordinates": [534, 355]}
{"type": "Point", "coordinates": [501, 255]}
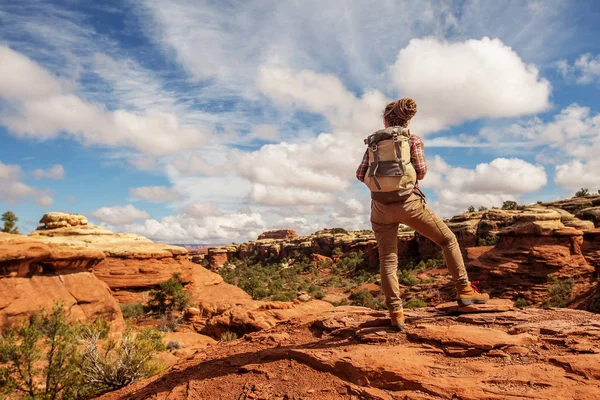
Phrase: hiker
{"type": "Point", "coordinates": [391, 168]}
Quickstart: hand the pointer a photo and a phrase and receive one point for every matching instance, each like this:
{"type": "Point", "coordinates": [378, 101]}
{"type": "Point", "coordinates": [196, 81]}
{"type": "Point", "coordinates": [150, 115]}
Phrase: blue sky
{"type": "Point", "coordinates": [209, 122]}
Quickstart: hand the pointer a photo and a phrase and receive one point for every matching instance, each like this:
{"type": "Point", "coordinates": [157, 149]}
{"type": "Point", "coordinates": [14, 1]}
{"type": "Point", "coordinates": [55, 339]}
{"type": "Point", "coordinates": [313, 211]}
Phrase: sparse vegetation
{"type": "Point", "coordinates": [132, 310]}
{"type": "Point", "coordinates": [338, 230]}
{"type": "Point", "coordinates": [173, 345]}
{"type": "Point", "coordinates": [482, 208]}
{"type": "Point", "coordinates": [559, 293]}
{"type": "Point", "coordinates": [471, 209]}
{"type": "Point", "coordinates": [169, 297]}
{"type": "Point", "coordinates": [228, 336]}
{"type": "Point", "coordinates": [510, 205]}
{"type": "Point", "coordinates": [583, 192]}
{"type": "Point", "coordinates": [521, 303]}
{"type": "Point", "coordinates": [10, 223]}
{"type": "Point", "coordinates": [364, 298]}
{"type": "Point", "coordinates": [407, 278]}
{"type": "Point", "coordinates": [415, 303]}
{"type": "Point", "coordinates": [490, 240]}
{"type": "Point", "coordinates": [405, 228]}
{"type": "Point", "coordinates": [48, 358]}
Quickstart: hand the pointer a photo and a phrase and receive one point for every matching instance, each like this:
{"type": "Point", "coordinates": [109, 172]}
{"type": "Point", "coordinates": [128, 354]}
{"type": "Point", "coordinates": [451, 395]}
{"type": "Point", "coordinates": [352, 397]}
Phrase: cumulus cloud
{"type": "Point", "coordinates": [56, 172]}
{"type": "Point", "coordinates": [488, 184]}
{"type": "Point", "coordinates": [235, 227]}
{"type": "Point", "coordinates": [120, 215]}
{"type": "Point", "coordinates": [576, 174]}
{"type": "Point", "coordinates": [586, 69]}
{"type": "Point", "coordinates": [462, 81]}
{"type": "Point", "coordinates": [265, 132]}
{"type": "Point", "coordinates": [200, 210]}
{"type": "Point", "coordinates": [155, 194]}
{"type": "Point", "coordinates": [12, 190]}
{"type": "Point", "coordinates": [41, 107]}
{"type": "Point", "coordinates": [288, 196]}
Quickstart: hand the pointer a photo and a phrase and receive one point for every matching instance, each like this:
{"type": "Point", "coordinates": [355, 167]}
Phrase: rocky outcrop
{"type": "Point", "coordinates": [350, 352]}
{"type": "Point", "coordinates": [132, 264]}
{"type": "Point", "coordinates": [280, 234]}
{"type": "Point", "coordinates": [536, 246]}
{"type": "Point", "coordinates": [320, 243]}
{"type": "Point", "coordinates": [35, 275]}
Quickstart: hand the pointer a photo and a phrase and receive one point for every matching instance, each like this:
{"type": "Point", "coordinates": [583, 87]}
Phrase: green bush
{"type": "Point", "coordinates": [338, 230]}
{"type": "Point", "coordinates": [283, 297]}
{"type": "Point", "coordinates": [337, 252]}
{"type": "Point", "coordinates": [351, 262]}
{"type": "Point", "coordinates": [132, 310]}
{"type": "Point", "coordinates": [343, 302]}
{"type": "Point", "coordinates": [521, 303]}
{"type": "Point", "coordinates": [415, 303]}
{"type": "Point", "coordinates": [169, 297]}
{"type": "Point", "coordinates": [173, 345]}
{"type": "Point", "coordinates": [583, 192]}
{"type": "Point", "coordinates": [48, 358]}
{"type": "Point", "coordinates": [364, 298]}
{"type": "Point", "coordinates": [490, 240]}
{"type": "Point", "coordinates": [319, 295]}
{"type": "Point", "coordinates": [407, 278]}
{"type": "Point", "coordinates": [228, 336]}
{"type": "Point", "coordinates": [559, 293]}
{"type": "Point", "coordinates": [510, 205]}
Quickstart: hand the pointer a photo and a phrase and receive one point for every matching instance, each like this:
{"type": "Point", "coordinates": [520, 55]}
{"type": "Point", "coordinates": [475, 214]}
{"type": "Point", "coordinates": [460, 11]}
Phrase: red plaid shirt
{"type": "Point", "coordinates": [417, 159]}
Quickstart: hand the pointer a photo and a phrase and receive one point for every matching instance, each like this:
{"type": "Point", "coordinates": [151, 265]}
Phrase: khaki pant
{"type": "Point", "coordinates": [413, 212]}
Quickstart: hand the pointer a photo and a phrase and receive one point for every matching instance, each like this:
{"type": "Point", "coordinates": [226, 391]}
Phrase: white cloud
{"type": "Point", "coordinates": [120, 215]}
{"type": "Point", "coordinates": [155, 194]}
{"type": "Point", "coordinates": [462, 81]}
{"type": "Point", "coordinates": [265, 132]}
{"type": "Point", "coordinates": [576, 174]}
{"type": "Point", "coordinates": [236, 227]}
{"type": "Point", "coordinates": [586, 69]}
{"type": "Point", "coordinates": [200, 210]}
{"type": "Point", "coordinates": [13, 191]}
{"type": "Point", "coordinates": [288, 196]}
{"type": "Point", "coordinates": [488, 184]}
{"type": "Point", "coordinates": [56, 172]}
{"type": "Point", "coordinates": [46, 112]}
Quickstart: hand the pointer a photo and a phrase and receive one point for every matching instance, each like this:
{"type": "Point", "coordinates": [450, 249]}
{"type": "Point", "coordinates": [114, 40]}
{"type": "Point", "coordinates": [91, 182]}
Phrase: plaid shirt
{"type": "Point", "coordinates": [417, 159]}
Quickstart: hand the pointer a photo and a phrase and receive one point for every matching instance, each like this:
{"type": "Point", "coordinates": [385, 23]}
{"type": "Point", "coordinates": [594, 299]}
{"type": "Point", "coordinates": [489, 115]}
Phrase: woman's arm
{"type": "Point", "coordinates": [361, 172]}
{"type": "Point", "coordinates": [417, 156]}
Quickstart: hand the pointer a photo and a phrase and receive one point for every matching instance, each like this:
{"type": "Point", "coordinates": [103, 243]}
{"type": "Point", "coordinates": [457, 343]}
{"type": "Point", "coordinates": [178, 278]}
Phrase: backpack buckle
{"type": "Point", "coordinates": [395, 137]}
{"type": "Point", "coordinates": [374, 147]}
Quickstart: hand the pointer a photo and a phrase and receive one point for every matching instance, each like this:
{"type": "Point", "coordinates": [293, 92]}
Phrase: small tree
{"type": "Point", "coordinates": [471, 209]}
{"type": "Point", "coordinates": [510, 205]}
{"type": "Point", "coordinates": [582, 192]}
{"type": "Point", "coordinates": [40, 359]}
{"type": "Point", "coordinates": [482, 208]}
{"type": "Point", "coordinates": [170, 296]}
{"type": "Point", "coordinates": [10, 222]}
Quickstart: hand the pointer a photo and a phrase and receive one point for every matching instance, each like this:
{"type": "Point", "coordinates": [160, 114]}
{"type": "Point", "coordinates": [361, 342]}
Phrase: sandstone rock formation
{"type": "Point", "coordinates": [35, 275]}
{"type": "Point", "coordinates": [131, 265]}
{"type": "Point", "coordinates": [280, 234]}
{"type": "Point", "coordinates": [350, 352]}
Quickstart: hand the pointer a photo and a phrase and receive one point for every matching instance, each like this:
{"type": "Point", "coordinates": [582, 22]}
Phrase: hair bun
{"type": "Point", "coordinates": [405, 108]}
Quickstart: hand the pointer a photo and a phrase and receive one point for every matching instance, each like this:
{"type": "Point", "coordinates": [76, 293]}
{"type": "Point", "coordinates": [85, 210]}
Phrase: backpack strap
{"type": "Point", "coordinates": [375, 165]}
{"type": "Point", "coordinates": [396, 139]}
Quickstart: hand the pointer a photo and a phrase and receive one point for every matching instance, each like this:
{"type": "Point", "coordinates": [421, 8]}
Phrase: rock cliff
{"type": "Point", "coordinates": [350, 353]}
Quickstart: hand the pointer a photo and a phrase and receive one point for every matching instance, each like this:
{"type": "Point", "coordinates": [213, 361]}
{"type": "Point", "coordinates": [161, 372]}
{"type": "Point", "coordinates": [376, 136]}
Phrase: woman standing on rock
{"type": "Point", "coordinates": [391, 168]}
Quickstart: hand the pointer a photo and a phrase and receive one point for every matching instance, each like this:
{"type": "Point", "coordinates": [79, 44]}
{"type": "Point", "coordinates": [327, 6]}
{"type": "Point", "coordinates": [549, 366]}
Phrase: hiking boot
{"type": "Point", "coordinates": [470, 294]}
{"type": "Point", "coordinates": [397, 318]}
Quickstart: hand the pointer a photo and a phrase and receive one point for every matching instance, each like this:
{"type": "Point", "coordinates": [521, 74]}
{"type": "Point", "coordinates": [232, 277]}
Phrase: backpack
{"type": "Point", "coordinates": [390, 177]}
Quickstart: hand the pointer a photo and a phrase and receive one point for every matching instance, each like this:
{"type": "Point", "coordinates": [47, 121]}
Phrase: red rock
{"type": "Point", "coordinates": [280, 234]}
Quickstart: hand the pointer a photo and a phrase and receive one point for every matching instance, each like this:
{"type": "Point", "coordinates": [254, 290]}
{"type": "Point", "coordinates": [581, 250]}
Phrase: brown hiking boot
{"type": "Point", "coordinates": [397, 318]}
{"type": "Point", "coordinates": [470, 294]}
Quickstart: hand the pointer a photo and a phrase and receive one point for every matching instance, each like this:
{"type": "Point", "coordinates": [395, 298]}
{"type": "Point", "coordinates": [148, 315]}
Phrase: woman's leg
{"type": "Point", "coordinates": [416, 214]}
{"type": "Point", "coordinates": [387, 243]}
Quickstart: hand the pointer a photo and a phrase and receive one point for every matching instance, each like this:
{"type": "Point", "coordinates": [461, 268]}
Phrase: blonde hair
{"type": "Point", "coordinates": [399, 112]}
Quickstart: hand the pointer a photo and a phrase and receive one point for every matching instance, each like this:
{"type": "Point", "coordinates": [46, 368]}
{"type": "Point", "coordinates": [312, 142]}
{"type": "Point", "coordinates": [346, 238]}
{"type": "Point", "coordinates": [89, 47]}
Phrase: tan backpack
{"type": "Point", "coordinates": [390, 177]}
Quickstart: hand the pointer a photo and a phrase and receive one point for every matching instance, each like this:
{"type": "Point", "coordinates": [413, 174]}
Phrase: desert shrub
{"type": "Point", "coordinates": [283, 296]}
{"type": "Point", "coordinates": [132, 310]}
{"type": "Point", "coordinates": [471, 209]}
{"type": "Point", "coordinates": [337, 252]}
{"type": "Point", "coordinates": [582, 192]}
{"type": "Point", "coordinates": [407, 278]}
{"type": "Point", "coordinates": [415, 303]}
{"type": "Point", "coordinates": [342, 302]}
{"type": "Point", "coordinates": [113, 364]}
{"type": "Point", "coordinates": [405, 228]}
{"type": "Point", "coordinates": [351, 262]}
{"type": "Point", "coordinates": [338, 230]}
{"type": "Point", "coordinates": [319, 295]}
{"type": "Point", "coordinates": [559, 293]}
{"type": "Point", "coordinates": [173, 345]}
{"type": "Point", "coordinates": [48, 358]}
{"type": "Point", "coordinates": [363, 298]}
{"type": "Point", "coordinates": [521, 303]}
{"type": "Point", "coordinates": [39, 359]}
{"type": "Point", "coordinates": [228, 336]}
{"type": "Point", "coordinates": [509, 205]}
{"type": "Point", "coordinates": [482, 208]}
{"type": "Point", "coordinates": [169, 297]}
{"type": "Point", "coordinates": [490, 240]}
{"type": "Point", "coordinates": [168, 323]}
